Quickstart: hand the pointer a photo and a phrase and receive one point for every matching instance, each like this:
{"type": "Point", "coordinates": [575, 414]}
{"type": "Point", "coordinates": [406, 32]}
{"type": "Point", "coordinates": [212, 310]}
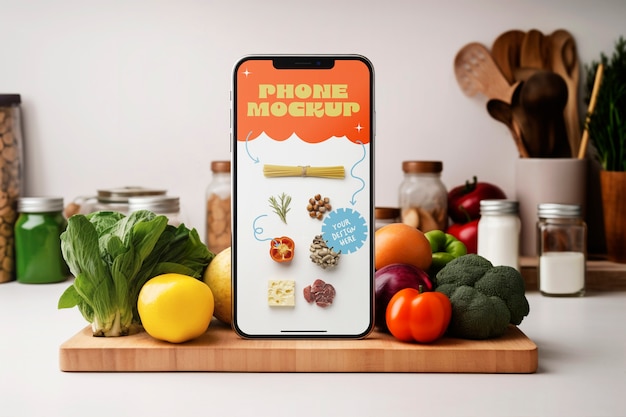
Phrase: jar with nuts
{"type": "Point", "coordinates": [423, 198]}
{"type": "Point", "coordinates": [218, 208]}
{"type": "Point", "coordinates": [10, 176]}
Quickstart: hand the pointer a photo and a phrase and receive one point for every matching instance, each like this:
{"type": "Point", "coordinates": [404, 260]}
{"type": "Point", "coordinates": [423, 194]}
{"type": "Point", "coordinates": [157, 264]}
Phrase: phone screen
{"type": "Point", "coordinates": [302, 151]}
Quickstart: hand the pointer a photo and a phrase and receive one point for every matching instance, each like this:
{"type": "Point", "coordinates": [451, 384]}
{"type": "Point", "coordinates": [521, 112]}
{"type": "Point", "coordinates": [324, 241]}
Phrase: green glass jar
{"type": "Point", "coordinates": [38, 229]}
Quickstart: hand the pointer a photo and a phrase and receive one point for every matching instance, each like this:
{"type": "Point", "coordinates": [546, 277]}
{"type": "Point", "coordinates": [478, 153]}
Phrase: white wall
{"type": "Point", "coordinates": [137, 92]}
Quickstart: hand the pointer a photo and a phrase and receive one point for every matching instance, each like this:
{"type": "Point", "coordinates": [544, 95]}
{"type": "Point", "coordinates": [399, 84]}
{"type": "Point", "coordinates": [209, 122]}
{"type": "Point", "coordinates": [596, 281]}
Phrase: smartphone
{"type": "Point", "coordinates": [302, 157]}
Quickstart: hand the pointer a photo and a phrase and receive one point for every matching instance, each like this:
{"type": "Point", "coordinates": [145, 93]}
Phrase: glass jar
{"type": "Point", "coordinates": [38, 229]}
{"type": "Point", "coordinates": [10, 179]}
{"type": "Point", "coordinates": [423, 198]}
{"type": "Point", "coordinates": [161, 205]}
{"type": "Point", "coordinates": [112, 199]}
{"type": "Point", "coordinates": [386, 215]}
{"type": "Point", "coordinates": [218, 193]}
{"type": "Point", "coordinates": [562, 250]}
{"type": "Point", "coordinates": [499, 232]}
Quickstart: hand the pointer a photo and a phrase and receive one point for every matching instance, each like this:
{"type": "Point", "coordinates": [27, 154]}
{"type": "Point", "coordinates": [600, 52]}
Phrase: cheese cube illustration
{"type": "Point", "coordinates": [281, 293]}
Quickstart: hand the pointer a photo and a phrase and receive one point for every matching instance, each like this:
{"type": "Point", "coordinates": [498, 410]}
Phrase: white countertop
{"type": "Point", "coordinates": [582, 372]}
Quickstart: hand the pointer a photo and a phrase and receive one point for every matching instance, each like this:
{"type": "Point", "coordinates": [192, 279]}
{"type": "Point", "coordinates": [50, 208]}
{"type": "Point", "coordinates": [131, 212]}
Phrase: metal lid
{"type": "Point", "coordinates": [122, 194]}
{"type": "Point", "coordinates": [555, 210]}
{"type": "Point", "coordinates": [499, 207]}
{"type": "Point", "coordinates": [39, 204]}
{"type": "Point", "coordinates": [424, 167]}
{"type": "Point", "coordinates": [220, 166]}
{"type": "Point", "coordinates": [157, 205]}
{"type": "Point", "coordinates": [10, 99]}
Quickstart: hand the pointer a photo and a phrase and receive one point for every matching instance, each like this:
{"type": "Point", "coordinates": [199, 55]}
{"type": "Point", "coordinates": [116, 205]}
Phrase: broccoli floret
{"type": "Point", "coordinates": [484, 298]}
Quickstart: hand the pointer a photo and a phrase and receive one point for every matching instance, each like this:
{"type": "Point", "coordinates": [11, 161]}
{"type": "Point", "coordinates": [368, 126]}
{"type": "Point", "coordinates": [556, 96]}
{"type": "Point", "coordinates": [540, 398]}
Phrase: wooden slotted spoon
{"type": "Point", "coordinates": [476, 72]}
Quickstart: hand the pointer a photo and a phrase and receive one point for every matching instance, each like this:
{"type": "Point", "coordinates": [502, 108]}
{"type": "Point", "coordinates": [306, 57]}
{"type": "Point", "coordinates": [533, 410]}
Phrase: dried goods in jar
{"type": "Point", "coordinates": [10, 180]}
{"type": "Point", "coordinates": [218, 206]}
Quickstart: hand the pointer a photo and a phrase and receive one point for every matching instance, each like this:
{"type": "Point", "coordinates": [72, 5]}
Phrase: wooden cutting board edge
{"type": "Point", "coordinates": [221, 350]}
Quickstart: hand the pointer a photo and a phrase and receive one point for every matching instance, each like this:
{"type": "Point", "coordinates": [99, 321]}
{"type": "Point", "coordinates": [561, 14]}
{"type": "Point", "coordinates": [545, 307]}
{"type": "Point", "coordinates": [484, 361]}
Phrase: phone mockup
{"type": "Point", "coordinates": [302, 157]}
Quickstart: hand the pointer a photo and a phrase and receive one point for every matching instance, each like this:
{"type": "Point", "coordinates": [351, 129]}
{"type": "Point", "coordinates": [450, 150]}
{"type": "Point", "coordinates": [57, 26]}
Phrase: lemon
{"type": "Point", "coordinates": [175, 307]}
{"type": "Point", "coordinates": [218, 277]}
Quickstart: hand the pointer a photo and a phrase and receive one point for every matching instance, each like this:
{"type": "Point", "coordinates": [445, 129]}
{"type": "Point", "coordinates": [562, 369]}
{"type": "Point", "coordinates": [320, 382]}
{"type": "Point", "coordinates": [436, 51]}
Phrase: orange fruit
{"type": "Point", "coordinates": [401, 243]}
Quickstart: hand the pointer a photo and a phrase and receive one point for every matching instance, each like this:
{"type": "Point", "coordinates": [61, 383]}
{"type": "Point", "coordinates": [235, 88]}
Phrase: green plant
{"type": "Point", "coordinates": [112, 256]}
{"type": "Point", "coordinates": [607, 124]}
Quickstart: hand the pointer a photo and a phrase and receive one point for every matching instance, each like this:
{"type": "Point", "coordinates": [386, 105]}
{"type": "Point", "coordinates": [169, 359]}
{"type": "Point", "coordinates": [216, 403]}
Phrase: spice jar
{"type": "Point", "coordinates": [38, 255]}
{"type": "Point", "coordinates": [499, 232]}
{"type": "Point", "coordinates": [562, 250]}
{"type": "Point", "coordinates": [386, 215]}
{"type": "Point", "coordinates": [218, 195]}
{"type": "Point", "coordinates": [423, 198]}
{"type": "Point", "coordinates": [161, 205]}
{"type": "Point", "coordinates": [10, 179]}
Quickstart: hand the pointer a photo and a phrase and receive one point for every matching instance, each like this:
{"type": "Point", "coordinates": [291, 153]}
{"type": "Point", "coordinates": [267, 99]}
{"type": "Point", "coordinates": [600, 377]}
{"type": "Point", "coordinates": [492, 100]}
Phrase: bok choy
{"type": "Point", "coordinates": [112, 255]}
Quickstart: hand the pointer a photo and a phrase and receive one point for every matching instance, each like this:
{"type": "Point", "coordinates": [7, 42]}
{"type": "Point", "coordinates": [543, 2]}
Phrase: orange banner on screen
{"type": "Point", "coordinates": [313, 104]}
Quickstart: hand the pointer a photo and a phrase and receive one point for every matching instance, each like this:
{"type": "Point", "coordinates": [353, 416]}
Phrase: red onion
{"type": "Point", "coordinates": [393, 278]}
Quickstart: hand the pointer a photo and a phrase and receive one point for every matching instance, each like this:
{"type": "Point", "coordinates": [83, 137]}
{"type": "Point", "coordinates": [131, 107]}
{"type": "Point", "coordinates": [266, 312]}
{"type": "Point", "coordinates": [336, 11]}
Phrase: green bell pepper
{"type": "Point", "coordinates": [445, 248]}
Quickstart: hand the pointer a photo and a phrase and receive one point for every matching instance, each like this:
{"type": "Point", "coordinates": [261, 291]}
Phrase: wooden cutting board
{"type": "Point", "coordinates": [220, 349]}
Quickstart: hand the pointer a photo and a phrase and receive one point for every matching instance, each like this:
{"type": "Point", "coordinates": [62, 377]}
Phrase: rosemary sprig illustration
{"type": "Point", "coordinates": [281, 206]}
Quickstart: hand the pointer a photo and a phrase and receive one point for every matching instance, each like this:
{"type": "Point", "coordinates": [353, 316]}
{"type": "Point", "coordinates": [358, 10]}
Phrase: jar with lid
{"type": "Point", "coordinates": [499, 232]}
{"type": "Point", "coordinates": [218, 194]}
{"type": "Point", "coordinates": [386, 215]}
{"type": "Point", "coordinates": [110, 199]}
{"type": "Point", "coordinates": [423, 198]}
{"type": "Point", "coordinates": [162, 205]}
{"type": "Point", "coordinates": [10, 178]}
{"type": "Point", "coordinates": [38, 229]}
{"type": "Point", "coordinates": [562, 250]}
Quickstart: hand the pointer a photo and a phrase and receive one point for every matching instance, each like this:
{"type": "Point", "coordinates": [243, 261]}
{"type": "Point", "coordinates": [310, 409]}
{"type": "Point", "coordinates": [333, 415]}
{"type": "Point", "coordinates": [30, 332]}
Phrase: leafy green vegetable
{"type": "Point", "coordinates": [485, 298]}
{"type": "Point", "coordinates": [112, 256]}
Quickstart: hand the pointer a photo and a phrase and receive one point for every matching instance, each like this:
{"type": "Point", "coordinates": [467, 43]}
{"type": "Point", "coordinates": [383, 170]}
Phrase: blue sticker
{"type": "Point", "coordinates": [344, 230]}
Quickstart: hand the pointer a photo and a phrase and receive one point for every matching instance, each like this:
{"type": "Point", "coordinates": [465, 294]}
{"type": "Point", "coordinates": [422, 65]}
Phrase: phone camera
{"type": "Point", "coordinates": [318, 63]}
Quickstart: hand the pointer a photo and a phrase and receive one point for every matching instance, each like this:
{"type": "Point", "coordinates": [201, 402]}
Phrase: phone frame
{"type": "Point", "coordinates": [295, 62]}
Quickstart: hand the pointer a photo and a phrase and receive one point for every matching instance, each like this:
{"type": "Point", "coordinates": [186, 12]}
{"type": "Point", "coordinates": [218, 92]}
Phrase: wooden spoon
{"type": "Point", "coordinates": [542, 100]}
{"type": "Point", "coordinates": [565, 63]}
{"type": "Point", "coordinates": [503, 112]}
{"type": "Point", "coordinates": [534, 51]}
{"type": "Point", "coordinates": [506, 52]}
{"type": "Point", "coordinates": [476, 72]}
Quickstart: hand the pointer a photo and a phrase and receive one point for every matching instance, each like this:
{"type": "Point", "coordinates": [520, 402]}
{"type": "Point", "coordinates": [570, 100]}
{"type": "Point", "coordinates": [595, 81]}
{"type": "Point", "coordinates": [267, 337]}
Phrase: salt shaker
{"type": "Point", "coordinates": [499, 232]}
{"type": "Point", "coordinates": [562, 250]}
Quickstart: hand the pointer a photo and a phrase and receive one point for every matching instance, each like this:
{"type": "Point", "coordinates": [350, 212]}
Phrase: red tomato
{"type": "Point", "coordinates": [466, 233]}
{"type": "Point", "coordinates": [418, 317]}
{"type": "Point", "coordinates": [464, 200]}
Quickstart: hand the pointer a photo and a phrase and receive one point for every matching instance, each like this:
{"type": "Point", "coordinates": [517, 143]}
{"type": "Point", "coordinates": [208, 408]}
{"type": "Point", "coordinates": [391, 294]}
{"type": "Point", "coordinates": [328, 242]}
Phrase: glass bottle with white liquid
{"type": "Point", "coordinates": [562, 250]}
{"type": "Point", "coordinates": [499, 232]}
